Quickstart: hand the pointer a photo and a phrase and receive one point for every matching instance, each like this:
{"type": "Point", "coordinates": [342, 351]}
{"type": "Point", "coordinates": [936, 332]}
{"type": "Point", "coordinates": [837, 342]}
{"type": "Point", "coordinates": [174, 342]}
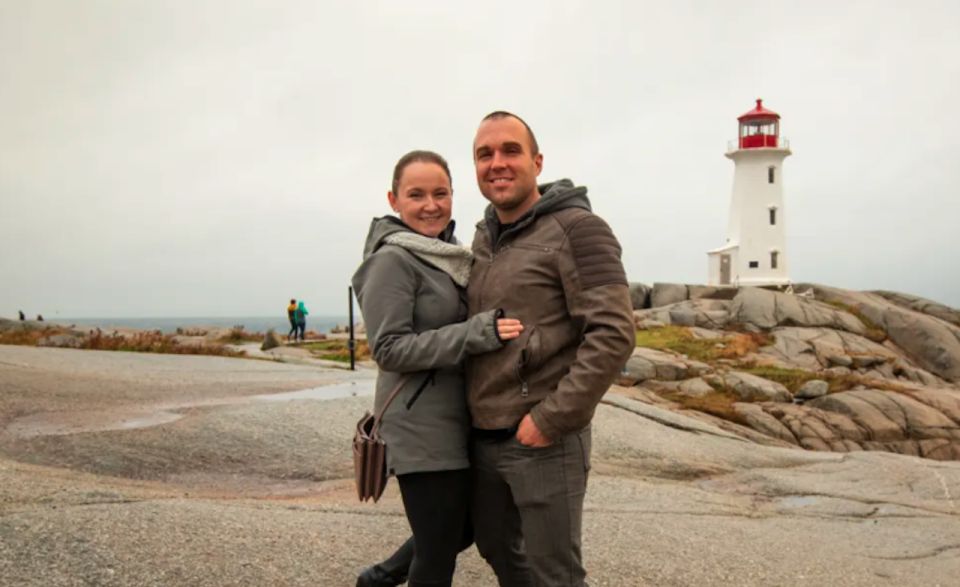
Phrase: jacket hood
{"type": "Point", "coordinates": [554, 196]}
{"type": "Point", "coordinates": [559, 195]}
{"type": "Point", "coordinates": [381, 228]}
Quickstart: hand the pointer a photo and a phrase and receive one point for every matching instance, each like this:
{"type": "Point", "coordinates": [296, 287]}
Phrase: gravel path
{"type": "Point", "coordinates": [238, 491]}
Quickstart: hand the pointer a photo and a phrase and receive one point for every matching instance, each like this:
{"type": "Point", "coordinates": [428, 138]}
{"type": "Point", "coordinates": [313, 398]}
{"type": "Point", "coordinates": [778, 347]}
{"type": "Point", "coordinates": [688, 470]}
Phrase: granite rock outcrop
{"type": "Point", "coordinates": [812, 366]}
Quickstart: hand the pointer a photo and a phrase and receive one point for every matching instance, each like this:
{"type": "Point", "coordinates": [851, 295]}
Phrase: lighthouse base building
{"type": "Point", "coordinates": [754, 251]}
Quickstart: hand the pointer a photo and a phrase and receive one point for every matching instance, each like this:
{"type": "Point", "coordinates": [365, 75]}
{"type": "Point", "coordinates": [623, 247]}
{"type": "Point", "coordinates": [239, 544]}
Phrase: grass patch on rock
{"type": "Point", "coordinates": [874, 331]}
{"type": "Point", "coordinates": [719, 403]}
{"type": "Point", "coordinates": [336, 350]}
{"type": "Point", "coordinates": [153, 342]}
{"type": "Point", "coordinates": [840, 383]}
{"type": "Point", "coordinates": [792, 379]}
{"type": "Point", "coordinates": [239, 334]}
{"type": "Point", "coordinates": [680, 339]}
{"type": "Point", "coordinates": [141, 342]}
{"type": "Point", "coordinates": [27, 337]}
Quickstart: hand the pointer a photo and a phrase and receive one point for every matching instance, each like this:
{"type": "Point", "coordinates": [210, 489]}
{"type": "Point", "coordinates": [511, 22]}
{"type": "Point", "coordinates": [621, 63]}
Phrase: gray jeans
{"type": "Point", "coordinates": [528, 509]}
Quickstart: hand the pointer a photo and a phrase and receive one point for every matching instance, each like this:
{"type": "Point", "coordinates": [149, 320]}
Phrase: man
{"type": "Point", "coordinates": [543, 257]}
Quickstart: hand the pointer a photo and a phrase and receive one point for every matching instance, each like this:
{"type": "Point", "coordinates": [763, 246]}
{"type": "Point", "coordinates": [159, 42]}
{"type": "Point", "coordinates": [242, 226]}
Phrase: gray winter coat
{"type": "Point", "coordinates": [416, 320]}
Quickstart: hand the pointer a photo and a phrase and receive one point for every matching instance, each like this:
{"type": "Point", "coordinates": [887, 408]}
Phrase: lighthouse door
{"type": "Point", "coordinates": [724, 269]}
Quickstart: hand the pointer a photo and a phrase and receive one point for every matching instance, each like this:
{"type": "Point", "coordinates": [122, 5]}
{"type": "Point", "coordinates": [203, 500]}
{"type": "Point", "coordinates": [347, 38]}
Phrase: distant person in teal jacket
{"type": "Point", "coordinates": [301, 316]}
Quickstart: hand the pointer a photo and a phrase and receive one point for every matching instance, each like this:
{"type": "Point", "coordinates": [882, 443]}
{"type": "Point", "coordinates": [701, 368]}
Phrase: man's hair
{"type": "Point", "coordinates": [498, 114]}
{"type": "Point", "coordinates": [417, 157]}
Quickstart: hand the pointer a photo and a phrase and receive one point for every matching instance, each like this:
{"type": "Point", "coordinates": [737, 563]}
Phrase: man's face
{"type": "Point", "coordinates": [507, 170]}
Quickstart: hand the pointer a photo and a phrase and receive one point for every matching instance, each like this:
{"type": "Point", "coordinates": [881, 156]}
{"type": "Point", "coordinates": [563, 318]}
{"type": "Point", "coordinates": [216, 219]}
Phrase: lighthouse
{"type": "Point", "coordinates": [753, 253]}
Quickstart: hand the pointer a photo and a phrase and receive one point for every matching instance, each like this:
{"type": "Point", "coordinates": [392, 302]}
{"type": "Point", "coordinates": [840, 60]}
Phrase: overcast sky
{"type": "Point", "coordinates": [215, 158]}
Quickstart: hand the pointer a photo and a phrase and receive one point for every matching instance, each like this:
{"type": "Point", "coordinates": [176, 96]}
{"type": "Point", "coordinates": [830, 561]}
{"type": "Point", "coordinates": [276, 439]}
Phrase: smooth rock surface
{"type": "Point", "coordinates": [640, 295]}
{"type": "Point", "coordinates": [933, 343]}
{"type": "Point", "coordinates": [664, 294]}
{"type": "Point", "coordinates": [768, 309]}
{"type": "Point", "coordinates": [749, 387]}
{"type": "Point", "coordinates": [672, 500]}
{"type": "Point", "coordinates": [812, 389]}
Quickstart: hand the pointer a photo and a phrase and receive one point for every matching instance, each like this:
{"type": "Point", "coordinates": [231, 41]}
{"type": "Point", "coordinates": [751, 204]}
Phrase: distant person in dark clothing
{"type": "Point", "coordinates": [39, 317]}
{"type": "Point", "coordinates": [301, 316]}
{"type": "Point", "coordinates": [22, 315]}
{"type": "Point", "coordinates": [291, 315]}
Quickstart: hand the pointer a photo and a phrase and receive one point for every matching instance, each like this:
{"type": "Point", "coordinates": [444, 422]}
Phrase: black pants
{"type": "Point", "coordinates": [436, 504]}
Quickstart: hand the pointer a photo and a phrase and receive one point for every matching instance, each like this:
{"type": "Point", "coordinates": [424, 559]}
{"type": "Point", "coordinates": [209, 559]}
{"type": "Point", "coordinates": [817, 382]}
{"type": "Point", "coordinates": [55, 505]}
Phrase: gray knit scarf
{"type": "Point", "coordinates": [452, 259]}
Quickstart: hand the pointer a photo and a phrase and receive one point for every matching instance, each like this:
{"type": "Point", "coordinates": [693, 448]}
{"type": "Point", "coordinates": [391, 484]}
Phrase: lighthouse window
{"type": "Point", "coordinates": [773, 259]}
{"type": "Point", "coordinates": [773, 216]}
{"type": "Point", "coordinates": [770, 176]}
{"type": "Point", "coordinates": [754, 264]}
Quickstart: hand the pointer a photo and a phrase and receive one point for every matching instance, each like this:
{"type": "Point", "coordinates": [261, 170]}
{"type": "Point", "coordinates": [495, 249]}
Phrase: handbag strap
{"type": "Point", "coordinates": [383, 409]}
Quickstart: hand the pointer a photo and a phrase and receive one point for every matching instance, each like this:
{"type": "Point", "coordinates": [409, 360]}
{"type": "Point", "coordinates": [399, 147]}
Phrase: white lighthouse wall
{"type": "Point", "coordinates": [749, 224]}
{"type": "Point", "coordinates": [713, 269]}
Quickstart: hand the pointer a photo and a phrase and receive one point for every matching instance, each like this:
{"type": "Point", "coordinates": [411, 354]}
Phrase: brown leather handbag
{"type": "Point", "coordinates": [370, 451]}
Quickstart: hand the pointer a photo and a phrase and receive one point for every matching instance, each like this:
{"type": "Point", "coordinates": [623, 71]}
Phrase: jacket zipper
{"type": "Point", "coordinates": [524, 389]}
{"type": "Point", "coordinates": [416, 395]}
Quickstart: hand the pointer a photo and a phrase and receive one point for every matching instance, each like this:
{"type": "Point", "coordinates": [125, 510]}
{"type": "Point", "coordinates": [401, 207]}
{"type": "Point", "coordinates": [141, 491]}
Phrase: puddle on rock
{"type": "Point", "coordinates": [325, 392]}
{"type": "Point", "coordinates": [798, 501]}
{"type": "Point", "coordinates": [61, 423]}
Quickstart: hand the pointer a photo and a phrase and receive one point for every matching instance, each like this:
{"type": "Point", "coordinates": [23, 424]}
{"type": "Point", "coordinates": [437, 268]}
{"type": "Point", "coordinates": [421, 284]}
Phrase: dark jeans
{"type": "Point", "coordinates": [528, 509]}
{"type": "Point", "coordinates": [436, 504]}
{"type": "Point", "coordinates": [302, 327]}
{"type": "Point", "coordinates": [293, 330]}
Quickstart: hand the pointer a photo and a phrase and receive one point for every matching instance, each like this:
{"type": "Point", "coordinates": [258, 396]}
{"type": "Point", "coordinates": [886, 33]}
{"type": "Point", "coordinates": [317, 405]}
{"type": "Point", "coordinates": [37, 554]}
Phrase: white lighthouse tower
{"type": "Point", "coordinates": [754, 252]}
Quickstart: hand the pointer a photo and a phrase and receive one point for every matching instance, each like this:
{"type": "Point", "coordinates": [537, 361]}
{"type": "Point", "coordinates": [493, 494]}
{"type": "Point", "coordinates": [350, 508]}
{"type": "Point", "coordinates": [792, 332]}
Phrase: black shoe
{"type": "Point", "coordinates": [375, 576]}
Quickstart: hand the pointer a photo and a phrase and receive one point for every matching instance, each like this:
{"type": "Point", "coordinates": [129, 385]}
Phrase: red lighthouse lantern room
{"type": "Point", "coordinates": [759, 128]}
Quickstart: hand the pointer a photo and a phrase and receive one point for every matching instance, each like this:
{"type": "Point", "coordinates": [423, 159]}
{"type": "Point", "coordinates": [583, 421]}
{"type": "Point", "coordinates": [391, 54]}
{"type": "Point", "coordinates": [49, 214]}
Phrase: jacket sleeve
{"type": "Point", "coordinates": [386, 286]}
{"type": "Point", "coordinates": [598, 301]}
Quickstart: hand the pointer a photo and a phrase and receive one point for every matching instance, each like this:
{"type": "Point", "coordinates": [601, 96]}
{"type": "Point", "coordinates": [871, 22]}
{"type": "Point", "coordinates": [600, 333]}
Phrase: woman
{"type": "Point", "coordinates": [411, 293]}
{"type": "Point", "coordinates": [301, 317]}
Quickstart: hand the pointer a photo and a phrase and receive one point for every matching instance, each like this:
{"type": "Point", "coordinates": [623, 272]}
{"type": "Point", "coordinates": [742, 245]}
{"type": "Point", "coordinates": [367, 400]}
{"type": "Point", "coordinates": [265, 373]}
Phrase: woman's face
{"type": "Point", "coordinates": [423, 198]}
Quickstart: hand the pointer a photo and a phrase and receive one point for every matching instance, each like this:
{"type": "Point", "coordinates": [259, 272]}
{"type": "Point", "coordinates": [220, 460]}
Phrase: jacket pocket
{"type": "Point", "coordinates": [533, 247]}
{"type": "Point", "coordinates": [430, 378]}
{"type": "Point", "coordinates": [529, 359]}
{"type": "Point", "coordinates": [585, 438]}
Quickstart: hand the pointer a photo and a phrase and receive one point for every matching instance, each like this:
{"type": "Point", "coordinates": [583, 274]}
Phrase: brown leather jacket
{"type": "Point", "coordinates": [558, 270]}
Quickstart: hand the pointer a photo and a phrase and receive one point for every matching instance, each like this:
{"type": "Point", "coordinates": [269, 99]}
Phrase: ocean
{"type": "Point", "coordinates": [170, 325]}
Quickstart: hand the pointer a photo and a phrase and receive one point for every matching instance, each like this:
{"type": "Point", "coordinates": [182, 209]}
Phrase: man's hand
{"type": "Point", "coordinates": [529, 435]}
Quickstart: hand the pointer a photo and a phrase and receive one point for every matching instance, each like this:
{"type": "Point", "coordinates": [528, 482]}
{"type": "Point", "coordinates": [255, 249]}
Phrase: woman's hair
{"type": "Point", "coordinates": [417, 157]}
